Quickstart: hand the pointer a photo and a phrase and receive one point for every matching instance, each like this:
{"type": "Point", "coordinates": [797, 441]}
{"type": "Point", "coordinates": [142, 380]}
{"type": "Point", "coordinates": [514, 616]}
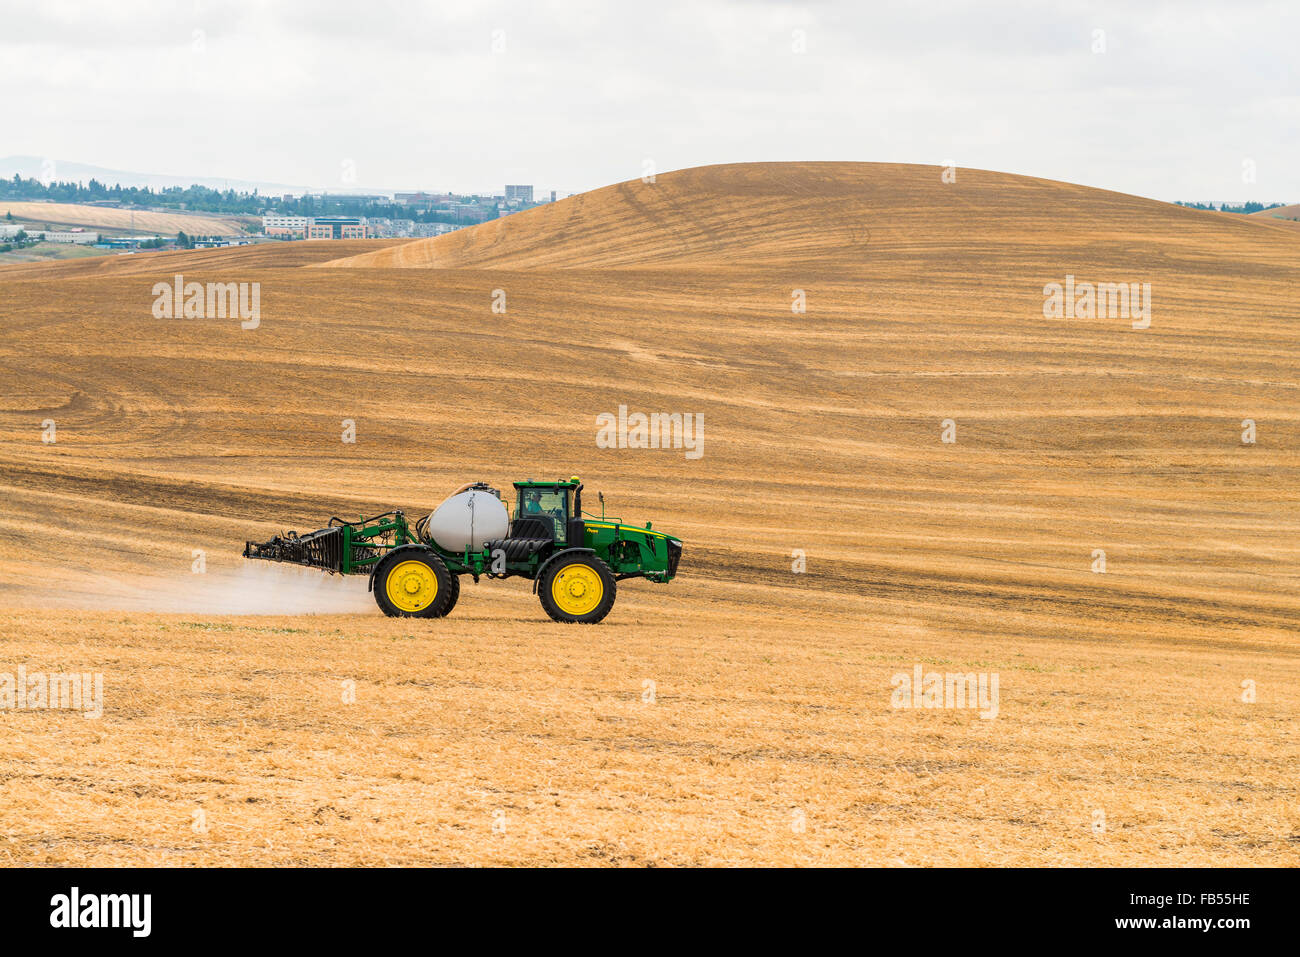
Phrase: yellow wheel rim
{"type": "Point", "coordinates": [411, 586]}
{"type": "Point", "coordinates": [577, 589]}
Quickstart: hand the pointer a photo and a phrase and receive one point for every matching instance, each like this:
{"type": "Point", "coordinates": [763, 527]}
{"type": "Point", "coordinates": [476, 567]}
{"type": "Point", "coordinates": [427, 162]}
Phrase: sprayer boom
{"type": "Point", "coordinates": [343, 547]}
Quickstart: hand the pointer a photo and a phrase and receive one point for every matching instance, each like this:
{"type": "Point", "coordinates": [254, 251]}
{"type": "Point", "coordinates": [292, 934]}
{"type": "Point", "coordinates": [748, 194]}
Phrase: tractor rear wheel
{"type": "Point", "coordinates": [578, 589]}
{"type": "Point", "coordinates": [414, 585]}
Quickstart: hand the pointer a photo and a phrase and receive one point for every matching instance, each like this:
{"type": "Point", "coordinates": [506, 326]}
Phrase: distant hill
{"type": "Point", "coordinates": [848, 214]}
{"type": "Point", "coordinates": [116, 220]}
{"type": "Point", "coordinates": [256, 256]}
{"type": "Point", "coordinates": [1291, 212]}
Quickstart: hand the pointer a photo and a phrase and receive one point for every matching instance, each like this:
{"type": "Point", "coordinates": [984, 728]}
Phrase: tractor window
{"type": "Point", "coordinates": [546, 501]}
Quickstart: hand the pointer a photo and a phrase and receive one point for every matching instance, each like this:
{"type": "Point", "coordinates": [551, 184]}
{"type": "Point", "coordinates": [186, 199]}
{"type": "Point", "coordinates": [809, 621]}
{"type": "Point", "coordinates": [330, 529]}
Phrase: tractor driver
{"type": "Point", "coordinates": [533, 503]}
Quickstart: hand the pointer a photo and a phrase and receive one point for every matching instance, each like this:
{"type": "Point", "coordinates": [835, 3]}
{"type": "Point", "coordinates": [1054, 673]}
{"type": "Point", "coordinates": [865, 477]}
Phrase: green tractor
{"type": "Point", "coordinates": [574, 560]}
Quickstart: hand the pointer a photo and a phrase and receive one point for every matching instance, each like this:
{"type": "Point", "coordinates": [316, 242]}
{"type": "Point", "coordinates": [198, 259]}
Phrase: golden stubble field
{"type": "Point", "coordinates": [741, 714]}
{"type": "Point", "coordinates": [124, 220]}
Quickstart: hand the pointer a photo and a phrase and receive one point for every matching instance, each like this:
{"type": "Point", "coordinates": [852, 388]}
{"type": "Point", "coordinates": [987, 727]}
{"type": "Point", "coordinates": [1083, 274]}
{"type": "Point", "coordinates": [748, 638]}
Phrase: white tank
{"type": "Point", "coordinates": [468, 520]}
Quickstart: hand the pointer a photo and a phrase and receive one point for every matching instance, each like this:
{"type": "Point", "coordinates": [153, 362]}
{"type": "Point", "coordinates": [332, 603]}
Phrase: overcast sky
{"type": "Point", "coordinates": [1172, 100]}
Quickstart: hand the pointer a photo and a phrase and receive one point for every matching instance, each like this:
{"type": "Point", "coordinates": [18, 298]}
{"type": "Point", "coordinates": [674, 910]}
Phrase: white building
{"type": "Point", "coordinates": [427, 230]}
{"type": "Point", "coordinates": [285, 225]}
{"type": "Point", "coordinates": [78, 236]}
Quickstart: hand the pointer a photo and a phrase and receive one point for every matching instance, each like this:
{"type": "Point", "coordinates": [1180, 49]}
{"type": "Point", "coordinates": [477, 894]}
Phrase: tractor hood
{"type": "Point", "coordinates": [623, 528]}
{"type": "Point", "coordinates": [656, 556]}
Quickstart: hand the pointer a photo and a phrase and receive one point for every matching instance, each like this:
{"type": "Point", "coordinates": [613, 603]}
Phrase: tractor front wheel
{"type": "Point", "coordinates": [453, 596]}
{"type": "Point", "coordinates": [578, 589]}
{"type": "Point", "coordinates": [414, 585]}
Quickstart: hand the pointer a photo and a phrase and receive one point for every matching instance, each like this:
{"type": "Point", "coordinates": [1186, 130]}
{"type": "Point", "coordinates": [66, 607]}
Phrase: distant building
{"type": "Point", "coordinates": [315, 227]}
{"type": "Point", "coordinates": [285, 225]}
{"type": "Point", "coordinates": [425, 200]}
{"type": "Point", "coordinates": [369, 198]}
{"type": "Point", "coordinates": [552, 196]}
{"type": "Point", "coordinates": [336, 227]}
{"type": "Point", "coordinates": [522, 193]}
{"type": "Point", "coordinates": [469, 212]}
{"type": "Point", "coordinates": [425, 230]}
{"type": "Point", "coordinates": [78, 236]}
{"type": "Point", "coordinates": [219, 243]}
{"type": "Point", "coordinates": [381, 228]}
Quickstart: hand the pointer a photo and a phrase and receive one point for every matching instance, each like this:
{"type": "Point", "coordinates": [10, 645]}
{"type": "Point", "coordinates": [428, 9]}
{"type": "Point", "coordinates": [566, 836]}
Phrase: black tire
{"type": "Point", "coordinates": [453, 596]}
{"type": "Point", "coordinates": [585, 569]}
{"type": "Point", "coordinates": [401, 602]}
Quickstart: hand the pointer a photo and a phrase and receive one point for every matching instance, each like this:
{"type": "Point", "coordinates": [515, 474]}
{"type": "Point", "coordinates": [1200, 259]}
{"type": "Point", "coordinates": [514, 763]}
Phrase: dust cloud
{"type": "Point", "coordinates": [251, 588]}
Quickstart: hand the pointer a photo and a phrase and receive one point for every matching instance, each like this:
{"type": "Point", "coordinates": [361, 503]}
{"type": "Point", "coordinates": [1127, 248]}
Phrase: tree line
{"type": "Point", "coordinates": [1249, 207]}
{"type": "Point", "coordinates": [229, 201]}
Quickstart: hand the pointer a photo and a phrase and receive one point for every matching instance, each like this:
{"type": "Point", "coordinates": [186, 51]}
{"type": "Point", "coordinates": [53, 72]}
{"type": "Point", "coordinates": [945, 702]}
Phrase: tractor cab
{"type": "Point", "coordinates": [550, 510]}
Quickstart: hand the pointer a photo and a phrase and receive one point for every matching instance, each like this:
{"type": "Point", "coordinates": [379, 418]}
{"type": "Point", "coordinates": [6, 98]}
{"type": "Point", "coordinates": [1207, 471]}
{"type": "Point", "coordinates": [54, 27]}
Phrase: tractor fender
{"type": "Point", "coordinates": [568, 551]}
{"type": "Point", "coordinates": [409, 547]}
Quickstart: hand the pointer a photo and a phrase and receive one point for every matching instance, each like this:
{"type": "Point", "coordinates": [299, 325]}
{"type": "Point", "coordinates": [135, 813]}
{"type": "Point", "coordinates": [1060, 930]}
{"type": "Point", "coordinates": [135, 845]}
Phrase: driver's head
{"type": "Point", "coordinates": [534, 496]}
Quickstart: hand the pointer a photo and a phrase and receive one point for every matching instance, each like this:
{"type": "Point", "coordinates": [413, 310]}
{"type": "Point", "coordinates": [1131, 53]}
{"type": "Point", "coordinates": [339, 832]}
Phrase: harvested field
{"type": "Point", "coordinates": [117, 220]}
{"type": "Point", "coordinates": [742, 713]}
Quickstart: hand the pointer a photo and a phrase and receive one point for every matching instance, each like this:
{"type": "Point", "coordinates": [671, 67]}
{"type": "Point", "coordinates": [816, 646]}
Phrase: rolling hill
{"type": "Point", "coordinates": [116, 220]}
{"type": "Point", "coordinates": [788, 214]}
{"type": "Point", "coordinates": [1291, 212]}
{"type": "Point", "coordinates": [240, 259]}
{"type": "Point", "coordinates": [706, 717]}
